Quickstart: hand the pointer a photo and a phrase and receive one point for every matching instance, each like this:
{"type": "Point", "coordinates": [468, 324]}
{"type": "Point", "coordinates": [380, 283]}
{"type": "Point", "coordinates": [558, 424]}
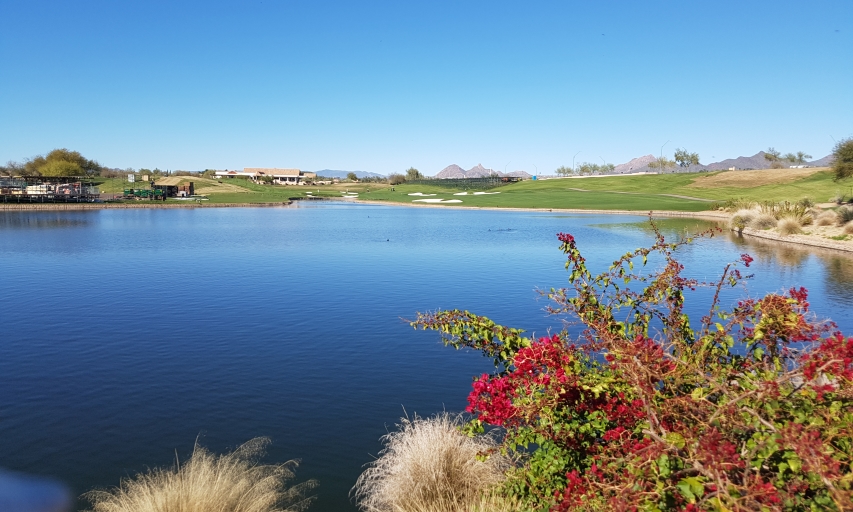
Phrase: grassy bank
{"type": "Point", "coordinates": [681, 192]}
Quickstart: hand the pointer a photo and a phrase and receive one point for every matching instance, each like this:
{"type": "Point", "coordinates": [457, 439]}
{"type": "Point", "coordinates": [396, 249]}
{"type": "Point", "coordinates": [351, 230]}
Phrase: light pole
{"type": "Point", "coordinates": [661, 156]}
{"type": "Point", "coordinates": [573, 161]}
{"type": "Point", "coordinates": [603, 163]}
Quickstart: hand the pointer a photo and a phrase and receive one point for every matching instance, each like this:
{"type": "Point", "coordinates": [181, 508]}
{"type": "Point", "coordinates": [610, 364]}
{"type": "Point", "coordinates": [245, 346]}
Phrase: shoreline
{"type": "Point", "coordinates": [801, 240]}
{"type": "Point", "coordinates": [12, 207]}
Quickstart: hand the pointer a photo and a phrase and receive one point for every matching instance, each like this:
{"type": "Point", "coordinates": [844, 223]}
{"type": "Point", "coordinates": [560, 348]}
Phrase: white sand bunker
{"type": "Point", "coordinates": [421, 194]}
{"type": "Point", "coordinates": [461, 194]}
{"type": "Point", "coordinates": [485, 193]}
{"type": "Point", "coordinates": [437, 200]}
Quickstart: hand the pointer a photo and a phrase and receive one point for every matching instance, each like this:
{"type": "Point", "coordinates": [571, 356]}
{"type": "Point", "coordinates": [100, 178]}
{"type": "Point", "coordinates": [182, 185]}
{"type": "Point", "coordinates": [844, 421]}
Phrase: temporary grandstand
{"type": "Point", "coordinates": [47, 189]}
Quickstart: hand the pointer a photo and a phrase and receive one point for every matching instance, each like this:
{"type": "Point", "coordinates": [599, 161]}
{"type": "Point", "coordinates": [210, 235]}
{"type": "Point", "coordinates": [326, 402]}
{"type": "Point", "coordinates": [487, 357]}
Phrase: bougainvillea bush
{"type": "Point", "coordinates": [747, 408]}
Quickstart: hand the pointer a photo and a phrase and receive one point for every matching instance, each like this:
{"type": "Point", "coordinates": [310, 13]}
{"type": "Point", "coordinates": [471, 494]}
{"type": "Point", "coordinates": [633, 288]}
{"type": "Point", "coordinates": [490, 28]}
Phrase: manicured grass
{"type": "Point", "coordinates": [819, 186]}
{"type": "Point", "coordinates": [521, 196]}
{"type": "Point", "coordinates": [635, 193]}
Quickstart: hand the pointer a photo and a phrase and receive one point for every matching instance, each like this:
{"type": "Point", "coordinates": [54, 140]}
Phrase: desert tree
{"type": "Point", "coordinates": [413, 174]}
{"type": "Point", "coordinates": [662, 163]}
{"type": "Point", "coordinates": [686, 158]}
{"type": "Point", "coordinates": [843, 153]}
{"type": "Point", "coordinates": [771, 155]}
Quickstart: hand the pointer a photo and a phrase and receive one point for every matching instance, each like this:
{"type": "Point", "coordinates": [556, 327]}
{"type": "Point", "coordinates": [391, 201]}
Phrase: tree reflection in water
{"type": "Point", "coordinates": [29, 220]}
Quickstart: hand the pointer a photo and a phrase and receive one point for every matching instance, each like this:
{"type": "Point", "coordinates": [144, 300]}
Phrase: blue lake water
{"type": "Point", "coordinates": [127, 334]}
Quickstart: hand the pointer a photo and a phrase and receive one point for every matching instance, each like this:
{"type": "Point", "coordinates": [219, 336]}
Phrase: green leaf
{"type": "Point", "coordinates": [795, 464]}
{"type": "Point", "coordinates": [675, 439]}
{"type": "Point", "coordinates": [691, 488]}
{"type": "Point", "coordinates": [663, 465]}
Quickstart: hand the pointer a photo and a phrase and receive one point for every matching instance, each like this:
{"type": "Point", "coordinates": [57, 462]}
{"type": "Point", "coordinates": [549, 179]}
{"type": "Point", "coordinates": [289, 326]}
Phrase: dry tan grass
{"type": "Point", "coordinates": [428, 465]}
{"type": "Point", "coordinates": [743, 218]}
{"type": "Point", "coordinates": [826, 218]}
{"type": "Point", "coordinates": [848, 228]}
{"type": "Point", "coordinates": [488, 502]}
{"type": "Point", "coordinates": [763, 221]}
{"type": "Point", "coordinates": [233, 482]}
{"type": "Point", "coordinates": [753, 178]}
{"type": "Point", "coordinates": [205, 186]}
{"type": "Point", "coordinates": [788, 226]}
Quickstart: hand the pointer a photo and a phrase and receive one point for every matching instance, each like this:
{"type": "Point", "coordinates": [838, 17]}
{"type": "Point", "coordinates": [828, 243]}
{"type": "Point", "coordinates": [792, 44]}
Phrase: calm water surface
{"type": "Point", "coordinates": [128, 334]}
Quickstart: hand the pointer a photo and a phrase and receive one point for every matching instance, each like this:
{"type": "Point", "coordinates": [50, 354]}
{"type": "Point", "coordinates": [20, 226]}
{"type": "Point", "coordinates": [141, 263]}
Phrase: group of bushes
{"type": "Point", "coordinates": [788, 218]}
{"type": "Point", "coordinates": [635, 407]}
{"type": "Point", "coordinates": [639, 407]}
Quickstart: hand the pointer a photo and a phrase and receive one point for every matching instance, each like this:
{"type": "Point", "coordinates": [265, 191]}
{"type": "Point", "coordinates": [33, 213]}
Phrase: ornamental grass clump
{"type": "Point", "coordinates": [742, 218]}
{"type": "Point", "coordinates": [848, 228]}
{"type": "Point", "coordinates": [826, 218]}
{"type": "Point", "coordinates": [845, 215]}
{"type": "Point", "coordinates": [763, 221]}
{"type": "Point", "coordinates": [637, 406]}
{"type": "Point", "coordinates": [428, 465]}
{"type": "Point", "coordinates": [788, 226]}
{"type": "Point", "coordinates": [232, 482]}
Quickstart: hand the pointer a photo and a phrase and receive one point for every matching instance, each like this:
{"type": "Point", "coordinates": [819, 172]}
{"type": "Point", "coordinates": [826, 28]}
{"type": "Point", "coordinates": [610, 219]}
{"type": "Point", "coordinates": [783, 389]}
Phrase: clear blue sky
{"type": "Point", "coordinates": [381, 86]}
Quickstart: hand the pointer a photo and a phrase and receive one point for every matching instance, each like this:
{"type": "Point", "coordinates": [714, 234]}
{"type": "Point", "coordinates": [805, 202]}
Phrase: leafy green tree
{"type": "Point", "coordinates": [662, 163]}
{"type": "Point", "coordinates": [396, 178]}
{"type": "Point", "coordinates": [63, 162]}
{"type": "Point", "coordinates": [843, 153]}
{"type": "Point", "coordinates": [61, 168]}
{"type": "Point", "coordinates": [564, 171]}
{"type": "Point", "coordinates": [413, 174]}
{"type": "Point", "coordinates": [685, 158]}
{"type": "Point", "coordinates": [587, 168]}
{"type": "Point", "coordinates": [351, 176]}
{"type": "Point", "coordinates": [791, 157]}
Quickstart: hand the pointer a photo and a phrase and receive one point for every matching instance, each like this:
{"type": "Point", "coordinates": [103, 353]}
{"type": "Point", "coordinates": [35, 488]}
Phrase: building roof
{"type": "Point", "coordinates": [272, 171]}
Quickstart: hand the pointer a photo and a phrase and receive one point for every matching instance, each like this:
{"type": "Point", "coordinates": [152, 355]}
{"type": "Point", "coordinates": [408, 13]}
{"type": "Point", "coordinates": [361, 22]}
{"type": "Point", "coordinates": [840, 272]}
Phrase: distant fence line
{"type": "Point", "coordinates": [462, 183]}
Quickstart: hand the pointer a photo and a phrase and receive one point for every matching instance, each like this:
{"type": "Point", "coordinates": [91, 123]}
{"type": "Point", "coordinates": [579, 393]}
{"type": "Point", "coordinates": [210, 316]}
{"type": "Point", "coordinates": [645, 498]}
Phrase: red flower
{"type": "Point", "coordinates": [746, 258]}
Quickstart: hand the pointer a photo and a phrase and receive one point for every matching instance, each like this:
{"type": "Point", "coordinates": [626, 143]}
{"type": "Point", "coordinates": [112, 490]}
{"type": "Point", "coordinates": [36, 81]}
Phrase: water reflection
{"type": "Point", "coordinates": [838, 266]}
{"type": "Point", "coordinates": [766, 251]}
{"type": "Point", "coordinates": [839, 275]}
{"type": "Point", "coordinates": [43, 220]}
{"type": "Point", "coordinates": [669, 227]}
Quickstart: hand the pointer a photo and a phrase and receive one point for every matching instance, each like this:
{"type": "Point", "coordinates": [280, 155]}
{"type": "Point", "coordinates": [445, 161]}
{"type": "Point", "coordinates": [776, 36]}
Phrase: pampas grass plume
{"type": "Point", "coordinates": [233, 482]}
{"type": "Point", "coordinates": [428, 465]}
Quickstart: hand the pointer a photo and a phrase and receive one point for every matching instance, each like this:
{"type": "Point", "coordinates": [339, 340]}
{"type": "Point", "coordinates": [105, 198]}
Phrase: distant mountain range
{"type": "Point", "coordinates": [644, 163]}
{"type": "Point", "coordinates": [756, 161]}
{"type": "Point", "coordinates": [329, 173]}
{"type": "Point", "coordinates": [634, 164]}
{"type": "Point", "coordinates": [478, 171]}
